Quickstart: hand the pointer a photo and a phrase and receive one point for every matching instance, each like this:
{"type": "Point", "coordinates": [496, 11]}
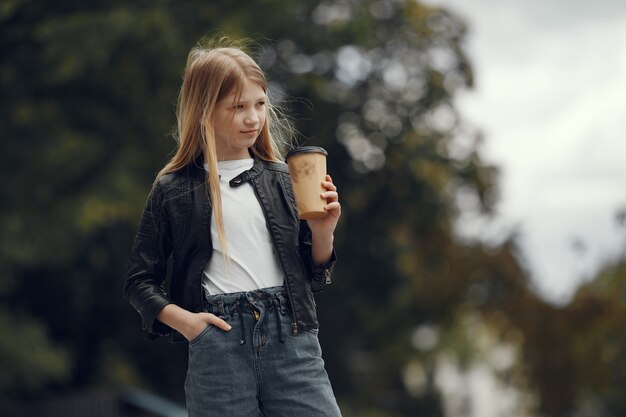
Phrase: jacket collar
{"type": "Point", "coordinates": [197, 170]}
{"type": "Point", "coordinates": [250, 174]}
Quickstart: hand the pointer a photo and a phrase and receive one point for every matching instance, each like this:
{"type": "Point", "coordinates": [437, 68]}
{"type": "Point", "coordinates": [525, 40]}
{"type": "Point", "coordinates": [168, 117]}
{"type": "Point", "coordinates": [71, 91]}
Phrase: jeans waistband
{"type": "Point", "coordinates": [273, 299]}
{"type": "Point", "coordinates": [223, 304]}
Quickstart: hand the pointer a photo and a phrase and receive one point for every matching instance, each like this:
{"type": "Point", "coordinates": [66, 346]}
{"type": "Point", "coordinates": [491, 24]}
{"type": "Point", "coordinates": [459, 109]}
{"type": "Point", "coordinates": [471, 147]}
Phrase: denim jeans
{"type": "Point", "coordinates": [258, 368]}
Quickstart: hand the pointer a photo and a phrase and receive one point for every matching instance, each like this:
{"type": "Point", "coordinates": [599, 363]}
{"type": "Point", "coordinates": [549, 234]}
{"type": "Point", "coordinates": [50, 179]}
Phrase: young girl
{"type": "Point", "coordinates": [244, 268]}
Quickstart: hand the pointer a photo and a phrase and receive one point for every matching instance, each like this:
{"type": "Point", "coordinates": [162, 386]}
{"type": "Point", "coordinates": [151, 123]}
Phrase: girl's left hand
{"type": "Point", "coordinates": [324, 227]}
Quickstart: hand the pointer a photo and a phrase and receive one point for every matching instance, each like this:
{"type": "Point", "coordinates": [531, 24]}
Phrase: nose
{"type": "Point", "coordinates": [252, 118]}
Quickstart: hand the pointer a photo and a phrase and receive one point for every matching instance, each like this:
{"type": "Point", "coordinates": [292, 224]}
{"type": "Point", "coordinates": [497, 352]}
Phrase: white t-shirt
{"type": "Point", "coordinates": [253, 262]}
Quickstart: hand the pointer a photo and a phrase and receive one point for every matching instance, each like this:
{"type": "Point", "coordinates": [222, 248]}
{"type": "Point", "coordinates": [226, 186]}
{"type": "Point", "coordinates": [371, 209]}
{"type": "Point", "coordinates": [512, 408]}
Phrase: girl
{"type": "Point", "coordinates": [244, 268]}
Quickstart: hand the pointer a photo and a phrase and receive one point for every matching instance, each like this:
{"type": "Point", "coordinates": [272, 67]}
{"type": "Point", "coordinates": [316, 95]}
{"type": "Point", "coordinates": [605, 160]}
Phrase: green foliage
{"type": "Point", "coordinates": [27, 357]}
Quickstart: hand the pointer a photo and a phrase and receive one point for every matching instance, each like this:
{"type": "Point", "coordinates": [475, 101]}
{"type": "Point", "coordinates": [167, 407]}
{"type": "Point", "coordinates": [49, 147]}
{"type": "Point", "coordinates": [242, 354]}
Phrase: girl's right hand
{"type": "Point", "coordinates": [199, 321]}
{"type": "Point", "coordinates": [187, 323]}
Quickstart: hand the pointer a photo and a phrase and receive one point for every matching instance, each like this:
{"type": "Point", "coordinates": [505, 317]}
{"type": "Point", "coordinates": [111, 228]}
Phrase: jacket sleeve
{"type": "Point", "coordinates": [321, 275]}
{"type": "Point", "coordinates": [147, 265]}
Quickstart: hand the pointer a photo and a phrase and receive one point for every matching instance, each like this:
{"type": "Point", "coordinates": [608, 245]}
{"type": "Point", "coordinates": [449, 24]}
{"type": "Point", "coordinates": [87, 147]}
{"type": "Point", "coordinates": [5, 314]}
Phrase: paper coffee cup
{"type": "Point", "coordinates": [307, 166]}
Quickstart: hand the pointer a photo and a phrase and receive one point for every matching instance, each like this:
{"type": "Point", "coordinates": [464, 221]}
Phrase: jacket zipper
{"type": "Point", "coordinates": [294, 324]}
{"type": "Point", "coordinates": [203, 300]}
{"type": "Point", "coordinates": [327, 275]}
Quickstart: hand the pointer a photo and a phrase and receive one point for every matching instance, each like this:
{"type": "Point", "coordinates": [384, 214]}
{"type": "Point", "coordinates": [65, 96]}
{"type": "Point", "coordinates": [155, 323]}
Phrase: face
{"type": "Point", "coordinates": [238, 122]}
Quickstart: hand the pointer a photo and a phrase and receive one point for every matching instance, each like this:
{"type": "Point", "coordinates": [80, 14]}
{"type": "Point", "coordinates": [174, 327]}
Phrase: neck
{"type": "Point", "coordinates": [231, 156]}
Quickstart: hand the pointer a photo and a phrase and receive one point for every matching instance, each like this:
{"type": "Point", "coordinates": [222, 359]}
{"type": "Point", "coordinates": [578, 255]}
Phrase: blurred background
{"type": "Point", "coordinates": [479, 152]}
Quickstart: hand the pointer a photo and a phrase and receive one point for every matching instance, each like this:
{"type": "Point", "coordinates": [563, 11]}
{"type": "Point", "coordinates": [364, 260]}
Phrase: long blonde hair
{"type": "Point", "coordinates": [215, 69]}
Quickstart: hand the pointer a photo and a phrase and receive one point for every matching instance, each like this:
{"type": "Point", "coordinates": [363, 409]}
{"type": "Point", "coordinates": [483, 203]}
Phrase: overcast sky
{"type": "Point", "coordinates": [550, 97]}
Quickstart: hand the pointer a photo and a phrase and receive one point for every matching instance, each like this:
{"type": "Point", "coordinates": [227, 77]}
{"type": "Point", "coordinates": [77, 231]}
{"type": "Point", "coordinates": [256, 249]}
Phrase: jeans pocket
{"type": "Point", "coordinates": [209, 328]}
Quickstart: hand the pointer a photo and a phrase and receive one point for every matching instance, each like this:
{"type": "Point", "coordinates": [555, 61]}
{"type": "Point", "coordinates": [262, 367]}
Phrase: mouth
{"type": "Point", "coordinates": [250, 132]}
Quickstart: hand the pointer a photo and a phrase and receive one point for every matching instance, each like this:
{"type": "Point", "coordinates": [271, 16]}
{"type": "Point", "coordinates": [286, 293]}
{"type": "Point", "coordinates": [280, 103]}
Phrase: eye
{"type": "Point", "coordinates": [260, 104]}
{"type": "Point", "coordinates": [238, 106]}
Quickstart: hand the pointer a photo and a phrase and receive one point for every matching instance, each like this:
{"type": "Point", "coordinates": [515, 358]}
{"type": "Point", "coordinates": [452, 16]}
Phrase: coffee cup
{"type": "Point", "coordinates": [307, 166]}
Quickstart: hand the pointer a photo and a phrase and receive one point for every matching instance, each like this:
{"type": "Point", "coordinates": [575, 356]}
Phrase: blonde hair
{"type": "Point", "coordinates": [215, 69]}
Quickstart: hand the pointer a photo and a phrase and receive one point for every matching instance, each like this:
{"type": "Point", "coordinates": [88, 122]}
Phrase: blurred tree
{"type": "Point", "coordinates": [88, 91]}
{"type": "Point", "coordinates": [581, 348]}
{"type": "Point", "coordinates": [571, 357]}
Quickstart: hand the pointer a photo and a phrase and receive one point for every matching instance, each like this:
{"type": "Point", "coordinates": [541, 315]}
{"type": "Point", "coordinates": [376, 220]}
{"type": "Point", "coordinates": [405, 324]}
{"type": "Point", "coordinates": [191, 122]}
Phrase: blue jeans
{"type": "Point", "coordinates": [258, 368]}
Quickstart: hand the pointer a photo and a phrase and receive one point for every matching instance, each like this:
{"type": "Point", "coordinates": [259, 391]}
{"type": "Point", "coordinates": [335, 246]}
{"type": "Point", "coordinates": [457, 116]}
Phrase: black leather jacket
{"type": "Point", "coordinates": [176, 221]}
